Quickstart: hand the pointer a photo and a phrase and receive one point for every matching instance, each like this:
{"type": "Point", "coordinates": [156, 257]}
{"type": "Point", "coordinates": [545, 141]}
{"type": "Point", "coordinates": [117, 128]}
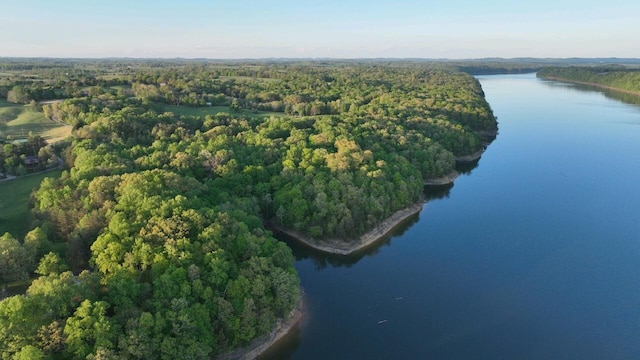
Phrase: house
{"type": "Point", "coordinates": [31, 162]}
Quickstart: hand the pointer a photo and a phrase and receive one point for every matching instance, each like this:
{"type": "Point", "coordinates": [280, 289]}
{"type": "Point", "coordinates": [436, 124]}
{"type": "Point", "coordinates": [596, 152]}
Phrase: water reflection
{"type": "Point", "coordinates": [465, 168]}
{"type": "Point", "coordinates": [436, 192]}
{"type": "Point", "coordinates": [322, 260]}
{"type": "Point", "coordinates": [626, 98]}
{"type": "Point", "coordinates": [548, 269]}
{"type": "Point", "coordinates": [285, 347]}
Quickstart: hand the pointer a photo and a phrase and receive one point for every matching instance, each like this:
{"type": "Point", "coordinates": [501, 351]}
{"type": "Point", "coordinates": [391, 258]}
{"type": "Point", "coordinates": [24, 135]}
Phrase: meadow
{"type": "Point", "coordinates": [14, 203]}
{"type": "Point", "coordinates": [18, 121]}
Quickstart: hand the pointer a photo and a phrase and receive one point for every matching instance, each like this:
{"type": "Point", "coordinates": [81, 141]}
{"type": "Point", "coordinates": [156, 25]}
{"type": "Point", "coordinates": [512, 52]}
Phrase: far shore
{"type": "Point", "coordinates": [346, 247]}
{"type": "Point", "coordinates": [554, 78]}
{"type": "Point", "coordinates": [263, 343]}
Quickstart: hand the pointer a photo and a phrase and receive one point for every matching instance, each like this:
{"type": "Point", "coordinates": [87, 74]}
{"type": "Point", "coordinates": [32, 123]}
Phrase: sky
{"type": "Point", "coordinates": [455, 29]}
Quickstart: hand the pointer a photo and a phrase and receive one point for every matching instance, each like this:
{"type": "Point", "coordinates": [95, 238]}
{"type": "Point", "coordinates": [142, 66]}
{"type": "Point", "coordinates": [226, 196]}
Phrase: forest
{"type": "Point", "coordinates": [616, 77]}
{"type": "Point", "coordinates": [154, 243]}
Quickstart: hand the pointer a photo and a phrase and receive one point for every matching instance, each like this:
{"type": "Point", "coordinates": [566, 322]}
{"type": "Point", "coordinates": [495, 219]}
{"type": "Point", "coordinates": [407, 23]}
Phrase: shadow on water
{"type": "Point", "coordinates": [322, 259]}
{"type": "Point", "coordinates": [436, 192]}
{"type": "Point", "coordinates": [623, 97]}
{"type": "Point", "coordinates": [285, 347]}
{"type": "Point", "coordinates": [288, 345]}
{"type": "Point", "coordinates": [541, 277]}
{"type": "Point", "coordinates": [466, 168]}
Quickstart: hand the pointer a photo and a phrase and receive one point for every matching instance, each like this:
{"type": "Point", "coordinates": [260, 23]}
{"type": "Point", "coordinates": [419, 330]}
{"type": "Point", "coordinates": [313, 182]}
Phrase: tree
{"type": "Point", "coordinates": [235, 106]}
{"type": "Point", "coordinates": [51, 263]}
{"type": "Point", "coordinates": [89, 329]}
{"type": "Point", "coordinates": [139, 340]}
{"type": "Point", "coordinates": [29, 352]}
{"type": "Point", "coordinates": [19, 322]}
{"type": "Point", "coordinates": [280, 213]}
{"type": "Point", "coordinates": [51, 337]}
{"type": "Point", "coordinates": [36, 243]}
{"type": "Point", "coordinates": [14, 260]}
{"type": "Point", "coordinates": [21, 170]}
{"type": "Point", "coordinates": [18, 95]}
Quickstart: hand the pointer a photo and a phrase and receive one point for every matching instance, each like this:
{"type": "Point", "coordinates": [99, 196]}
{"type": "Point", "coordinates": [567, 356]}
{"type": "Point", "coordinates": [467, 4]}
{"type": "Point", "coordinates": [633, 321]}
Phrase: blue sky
{"type": "Point", "coordinates": [330, 28]}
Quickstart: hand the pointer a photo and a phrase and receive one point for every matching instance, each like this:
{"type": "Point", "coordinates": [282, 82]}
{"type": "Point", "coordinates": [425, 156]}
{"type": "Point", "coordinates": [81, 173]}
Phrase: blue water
{"type": "Point", "coordinates": [533, 254]}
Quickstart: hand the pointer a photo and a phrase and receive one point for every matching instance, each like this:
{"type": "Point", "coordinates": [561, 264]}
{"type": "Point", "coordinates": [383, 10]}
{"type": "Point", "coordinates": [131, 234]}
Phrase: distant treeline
{"type": "Point", "coordinates": [615, 77]}
{"type": "Point", "coordinates": [496, 68]}
{"type": "Point", "coordinates": [489, 66]}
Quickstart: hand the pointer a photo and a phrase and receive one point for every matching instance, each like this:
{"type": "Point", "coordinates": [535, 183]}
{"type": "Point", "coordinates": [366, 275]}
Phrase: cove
{"type": "Point", "coordinates": [533, 253]}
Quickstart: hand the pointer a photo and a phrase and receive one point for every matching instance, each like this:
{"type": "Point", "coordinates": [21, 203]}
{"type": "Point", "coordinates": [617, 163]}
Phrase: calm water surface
{"type": "Point", "coordinates": [533, 254]}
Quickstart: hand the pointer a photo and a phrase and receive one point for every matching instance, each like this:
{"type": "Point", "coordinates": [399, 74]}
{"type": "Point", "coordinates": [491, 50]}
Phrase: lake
{"type": "Point", "coordinates": [534, 253]}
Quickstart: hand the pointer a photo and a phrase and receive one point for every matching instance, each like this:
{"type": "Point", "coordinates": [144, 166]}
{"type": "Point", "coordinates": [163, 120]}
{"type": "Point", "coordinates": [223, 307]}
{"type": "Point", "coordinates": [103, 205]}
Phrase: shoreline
{"type": "Point", "coordinates": [553, 78]}
{"type": "Point", "coordinates": [345, 247]}
{"type": "Point", "coordinates": [339, 247]}
{"type": "Point", "coordinates": [471, 157]}
{"type": "Point", "coordinates": [443, 180]}
{"type": "Point", "coordinates": [259, 345]}
{"type": "Point", "coordinates": [488, 133]}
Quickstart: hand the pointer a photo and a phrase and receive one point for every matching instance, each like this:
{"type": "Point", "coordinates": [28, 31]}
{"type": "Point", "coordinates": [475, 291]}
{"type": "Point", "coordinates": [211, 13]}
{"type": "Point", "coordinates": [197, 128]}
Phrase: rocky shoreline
{"type": "Point", "coordinates": [346, 247]}
{"type": "Point", "coordinates": [471, 157]}
{"type": "Point", "coordinates": [444, 180]}
{"type": "Point", "coordinates": [262, 344]}
{"type": "Point", "coordinates": [339, 247]}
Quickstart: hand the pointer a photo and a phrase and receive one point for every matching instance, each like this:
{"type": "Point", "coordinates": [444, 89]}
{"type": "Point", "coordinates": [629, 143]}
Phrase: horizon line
{"type": "Point", "coordinates": [316, 58]}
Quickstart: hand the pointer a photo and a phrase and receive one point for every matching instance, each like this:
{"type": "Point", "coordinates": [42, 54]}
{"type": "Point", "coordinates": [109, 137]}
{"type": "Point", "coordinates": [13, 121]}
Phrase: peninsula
{"type": "Point", "coordinates": [155, 230]}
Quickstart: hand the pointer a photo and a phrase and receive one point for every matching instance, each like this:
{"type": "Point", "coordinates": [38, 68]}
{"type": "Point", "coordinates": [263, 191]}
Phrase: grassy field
{"type": "Point", "coordinates": [212, 110]}
{"type": "Point", "coordinates": [18, 120]}
{"type": "Point", "coordinates": [14, 201]}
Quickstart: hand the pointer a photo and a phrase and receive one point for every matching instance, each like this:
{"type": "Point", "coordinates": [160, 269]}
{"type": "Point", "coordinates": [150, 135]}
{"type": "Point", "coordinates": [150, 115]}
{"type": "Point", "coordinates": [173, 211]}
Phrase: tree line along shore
{"type": "Point", "coordinates": [152, 243]}
{"type": "Point", "coordinates": [618, 78]}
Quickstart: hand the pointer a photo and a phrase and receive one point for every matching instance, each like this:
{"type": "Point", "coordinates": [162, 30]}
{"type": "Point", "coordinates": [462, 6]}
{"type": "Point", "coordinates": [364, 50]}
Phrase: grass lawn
{"type": "Point", "coordinates": [14, 201]}
{"type": "Point", "coordinates": [18, 120]}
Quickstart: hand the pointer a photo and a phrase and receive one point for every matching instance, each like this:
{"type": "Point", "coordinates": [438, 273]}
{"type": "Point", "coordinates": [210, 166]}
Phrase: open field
{"type": "Point", "coordinates": [14, 201]}
{"type": "Point", "coordinates": [18, 120]}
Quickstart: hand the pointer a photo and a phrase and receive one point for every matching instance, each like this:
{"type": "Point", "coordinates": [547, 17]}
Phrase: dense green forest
{"type": "Point", "coordinates": [153, 244]}
{"type": "Point", "coordinates": [616, 77]}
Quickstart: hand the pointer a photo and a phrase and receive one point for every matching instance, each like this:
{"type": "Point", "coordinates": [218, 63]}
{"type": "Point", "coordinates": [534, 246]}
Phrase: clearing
{"type": "Point", "coordinates": [18, 120]}
{"type": "Point", "coordinates": [14, 203]}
